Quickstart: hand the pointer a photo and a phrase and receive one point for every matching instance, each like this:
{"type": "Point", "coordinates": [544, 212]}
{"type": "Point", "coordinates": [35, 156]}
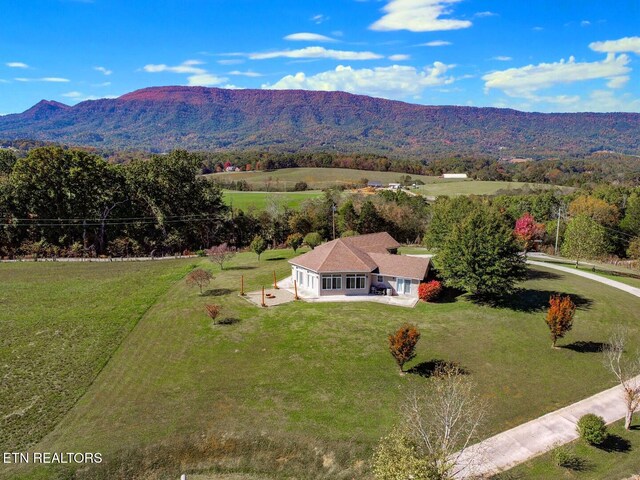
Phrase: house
{"type": "Point", "coordinates": [361, 265]}
{"type": "Point", "coordinates": [395, 186]}
{"type": "Point", "coordinates": [374, 184]}
{"type": "Point", "coordinates": [455, 175]}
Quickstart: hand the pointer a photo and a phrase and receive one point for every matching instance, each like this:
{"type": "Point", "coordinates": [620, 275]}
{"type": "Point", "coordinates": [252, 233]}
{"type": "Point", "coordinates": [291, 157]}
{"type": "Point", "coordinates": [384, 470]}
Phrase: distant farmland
{"type": "Point", "coordinates": [259, 200]}
{"type": "Point", "coordinates": [284, 180]}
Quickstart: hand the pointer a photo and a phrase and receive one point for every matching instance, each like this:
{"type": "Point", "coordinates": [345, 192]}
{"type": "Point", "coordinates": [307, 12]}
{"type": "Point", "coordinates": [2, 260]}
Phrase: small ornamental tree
{"type": "Point", "coordinates": [527, 231]}
{"type": "Point", "coordinates": [313, 239]}
{"type": "Point", "coordinates": [584, 239]}
{"type": "Point", "coordinates": [294, 241]}
{"type": "Point", "coordinates": [258, 245]}
{"type": "Point", "coordinates": [221, 254]}
{"type": "Point", "coordinates": [592, 429]}
{"type": "Point", "coordinates": [429, 291]}
{"type": "Point", "coordinates": [560, 316]}
{"type": "Point", "coordinates": [402, 344]}
{"type": "Point", "coordinates": [213, 311]}
{"type": "Point", "coordinates": [200, 278]}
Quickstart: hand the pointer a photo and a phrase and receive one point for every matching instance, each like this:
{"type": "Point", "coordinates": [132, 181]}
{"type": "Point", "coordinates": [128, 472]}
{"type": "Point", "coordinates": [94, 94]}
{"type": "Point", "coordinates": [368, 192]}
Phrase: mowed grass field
{"type": "Point", "coordinates": [59, 324]}
{"type": "Point", "coordinates": [310, 387]}
{"type": "Point", "coordinates": [259, 200]}
{"type": "Point", "coordinates": [321, 178]}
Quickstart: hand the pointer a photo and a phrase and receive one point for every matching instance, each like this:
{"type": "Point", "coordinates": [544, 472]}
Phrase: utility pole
{"type": "Point", "coordinates": [560, 207]}
{"type": "Point", "coordinates": [333, 219]}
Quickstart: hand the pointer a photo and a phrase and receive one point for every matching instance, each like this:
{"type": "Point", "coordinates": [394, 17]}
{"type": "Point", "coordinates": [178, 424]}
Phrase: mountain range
{"type": "Point", "coordinates": [164, 118]}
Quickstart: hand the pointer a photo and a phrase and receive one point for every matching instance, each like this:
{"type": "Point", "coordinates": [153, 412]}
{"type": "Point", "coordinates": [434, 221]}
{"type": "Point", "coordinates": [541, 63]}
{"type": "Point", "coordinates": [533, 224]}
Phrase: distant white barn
{"type": "Point", "coordinates": [455, 175]}
{"type": "Point", "coordinates": [395, 186]}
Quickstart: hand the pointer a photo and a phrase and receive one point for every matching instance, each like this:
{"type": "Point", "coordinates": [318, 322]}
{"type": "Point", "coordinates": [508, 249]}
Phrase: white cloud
{"type": "Point", "coordinates": [189, 66]}
{"type": "Point", "coordinates": [205, 80]}
{"type": "Point", "coordinates": [319, 18]}
{"type": "Point", "coordinates": [72, 94]}
{"type": "Point", "coordinates": [485, 14]}
{"type": "Point", "coordinates": [585, 23]}
{"type": "Point", "coordinates": [43, 79]}
{"type": "Point", "coordinates": [399, 57]}
{"type": "Point", "coordinates": [199, 77]}
{"type": "Point", "coordinates": [418, 16]}
{"type": "Point", "coordinates": [395, 82]}
{"type": "Point", "coordinates": [316, 52]}
{"type": "Point", "coordinates": [525, 81]}
{"type": "Point", "coordinates": [102, 84]}
{"type": "Point", "coordinates": [502, 58]}
{"type": "Point", "coordinates": [17, 65]}
{"type": "Point", "coordinates": [248, 73]}
{"type": "Point", "coordinates": [308, 37]}
{"type": "Point", "coordinates": [231, 61]}
{"type": "Point", "coordinates": [626, 44]}
{"type": "Point", "coordinates": [618, 82]}
{"type": "Point", "coordinates": [103, 70]}
{"type": "Point", "coordinates": [435, 43]}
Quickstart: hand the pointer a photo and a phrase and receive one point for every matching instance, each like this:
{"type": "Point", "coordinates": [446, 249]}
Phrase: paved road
{"type": "Point", "coordinates": [515, 446]}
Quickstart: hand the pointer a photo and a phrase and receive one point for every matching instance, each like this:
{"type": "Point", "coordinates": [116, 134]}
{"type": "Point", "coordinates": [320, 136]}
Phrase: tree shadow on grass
{"type": "Point", "coordinates": [615, 443]}
{"type": "Point", "coordinates": [542, 275]}
{"type": "Point", "coordinates": [274, 259]}
{"type": "Point", "coordinates": [530, 300]}
{"type": "Point", "coordinates": [586, 347]}
{"type": "Point", "coordinates": [227, 321]}
{"type": "Point", "coordinates": [241, 267]}
{"type": "Point", "coordinates": [216, 292]}
{"type": "Point", "coordinates": [449, 295]}
{"type": "Point", "coordinates": [428, 369]}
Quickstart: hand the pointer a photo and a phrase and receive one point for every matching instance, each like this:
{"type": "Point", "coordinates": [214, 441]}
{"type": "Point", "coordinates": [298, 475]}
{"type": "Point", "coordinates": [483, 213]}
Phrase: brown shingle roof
{"type": "Point", "coordinates": [415, 268]}
{"type": "Point", "coordinates": [374, 242]}
{"type": "Point", "coordinates": [363, 254]}
{"type": "Point", "coordinates": [336, 256]}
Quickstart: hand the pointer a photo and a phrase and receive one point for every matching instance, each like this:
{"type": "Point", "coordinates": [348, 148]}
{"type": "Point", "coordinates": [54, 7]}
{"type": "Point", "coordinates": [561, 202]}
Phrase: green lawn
{"type": "Point", "coordinates": [321, 178]}
{"type": "Point", "coordinates": [620, 274]}
{"type": "Point", "coordinates": [618, 460]}
{"type": "Point", "coordinates": [59, 324]}
{"type": "Point", "coordinates": [315, 382]}
{"type": "Point", "coordinates": [259, 200]}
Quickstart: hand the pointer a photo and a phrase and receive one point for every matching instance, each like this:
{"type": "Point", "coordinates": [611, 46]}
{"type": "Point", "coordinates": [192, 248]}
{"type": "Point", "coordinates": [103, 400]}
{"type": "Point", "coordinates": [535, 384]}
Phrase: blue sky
{"type": "Point", "coordinates": [534, 55]}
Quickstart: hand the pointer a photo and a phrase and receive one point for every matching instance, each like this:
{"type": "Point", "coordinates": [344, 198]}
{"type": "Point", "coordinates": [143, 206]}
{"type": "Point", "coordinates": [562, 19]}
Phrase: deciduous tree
{"type": "Point", "coordinates": [294, 241]}
{"type": "Point", "coordinates": [258, 245]}
{"type": "Point", "coordinates": [200, 278]}
{"type": "Point", "coordinates": [221, 254]}
{"type": "Point", "coordinates": [560, 316]}
{"type": "Point", "coordinates": [584, 239]}
{"type": "Point", "coordinates": [626, 369]}
{"type": "Point", "coordinates": [402, 344]}
{"type": "Point", "coordinates": [527, 231]}
{"type": "Point", "coordinates": [312, 239]}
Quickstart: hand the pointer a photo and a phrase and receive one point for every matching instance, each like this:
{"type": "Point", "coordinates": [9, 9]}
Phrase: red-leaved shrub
{"type": "Point", "coordinates": [429, 291]}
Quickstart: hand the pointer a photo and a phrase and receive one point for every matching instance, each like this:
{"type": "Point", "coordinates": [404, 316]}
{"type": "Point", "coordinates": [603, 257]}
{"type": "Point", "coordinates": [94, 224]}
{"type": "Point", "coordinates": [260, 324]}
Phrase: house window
{"type": "Point", "coordinates": [380, 279]}
{"type": "Point", "coordinates": [300, 277]}
{"type": "Point", "coordinates": [356, 282]}
{"type": "Point", "coordinates": [332, 282]}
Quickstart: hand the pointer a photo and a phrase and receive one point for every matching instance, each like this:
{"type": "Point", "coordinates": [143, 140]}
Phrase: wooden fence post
{"type": "Point", "coordinates": [242, 285]}
{"type": "Point", "coordinates": [263, 304]}
{"type": "Point", "coordinates": [295, 287]}
{"type": "Point", "coordinates": [275, 282]}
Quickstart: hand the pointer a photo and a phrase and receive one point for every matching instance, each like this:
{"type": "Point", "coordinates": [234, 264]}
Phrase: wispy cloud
{"type": "Point", "coordinates": [319, 18]}
{"type": "Point", "coordinates": [419, 16]}
{"type": "Point", "coordinates": [502, 58]}
{"type": "Point", "coordinates": [231, 61]}
{"type": "Point", "coordinates": [16, 65]}
{"type": "Point", "coordinates": [248, 73]}
{"type": "Point", "coordinates": [308, 37]}
{"type": "Point", "coordinates": [626, 44]}
{"type": "Point", "coordinates": [198, 76]}
{"type": "Point", "coordinates": [103, 70]}
{"type": "Point", "coordinates": [43, 79]}
{"type": "Point", "coordinates": [101, 84]}
{"type": "Point", "coordinates": [435, 43]}
{"type": "Point", "coordinates": [316, 52]}
{"type": "Point", "coordinates": [399, 57]}
{"type": "Point", "coordinates": [74, 94]}
{"type": "Point", "coordinates": [485, 14]}
{"type": "Point", "coordinates": [396, 82]}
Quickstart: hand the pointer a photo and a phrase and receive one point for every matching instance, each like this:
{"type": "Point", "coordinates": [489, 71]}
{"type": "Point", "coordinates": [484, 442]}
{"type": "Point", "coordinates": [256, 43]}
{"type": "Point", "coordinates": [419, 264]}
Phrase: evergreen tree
{"type": "Point", "coordinates": [481, 255]}
{"type": "Point", "coordinates": [369, 220]}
